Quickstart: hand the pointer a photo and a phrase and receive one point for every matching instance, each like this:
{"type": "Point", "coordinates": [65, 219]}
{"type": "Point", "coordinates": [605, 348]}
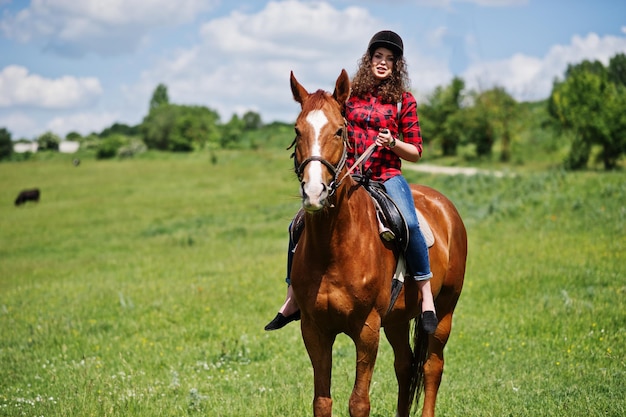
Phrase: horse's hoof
{"type": "Point", "coordinates": [429, 322]}
{"type": "Point", "coordinates": [281, 321]}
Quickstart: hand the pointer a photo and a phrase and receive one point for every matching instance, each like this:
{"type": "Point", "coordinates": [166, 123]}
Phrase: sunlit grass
{"type": "Point", "coordinates": [141, 288]}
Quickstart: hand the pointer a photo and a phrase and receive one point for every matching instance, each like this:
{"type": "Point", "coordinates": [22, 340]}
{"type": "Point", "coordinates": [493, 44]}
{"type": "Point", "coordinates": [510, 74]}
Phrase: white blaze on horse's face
{"type": "Point", "coordinates": [314, 190]}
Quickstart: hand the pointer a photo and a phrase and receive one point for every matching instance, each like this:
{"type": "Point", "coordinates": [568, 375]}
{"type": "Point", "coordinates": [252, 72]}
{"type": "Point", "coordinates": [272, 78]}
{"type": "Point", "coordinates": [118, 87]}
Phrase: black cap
{"type": "Point", "coordinates": [386, 39]}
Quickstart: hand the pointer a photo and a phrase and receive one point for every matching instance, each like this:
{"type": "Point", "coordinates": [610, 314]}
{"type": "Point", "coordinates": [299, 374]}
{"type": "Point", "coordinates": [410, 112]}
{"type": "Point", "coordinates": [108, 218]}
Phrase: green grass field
{"type": "Point", "coordinates": [141, 288]}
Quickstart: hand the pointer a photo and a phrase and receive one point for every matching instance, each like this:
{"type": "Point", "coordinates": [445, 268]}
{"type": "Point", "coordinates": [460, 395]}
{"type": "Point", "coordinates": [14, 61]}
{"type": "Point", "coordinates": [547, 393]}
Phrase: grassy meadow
{"type": "Point", "coordinates": [141, 288]}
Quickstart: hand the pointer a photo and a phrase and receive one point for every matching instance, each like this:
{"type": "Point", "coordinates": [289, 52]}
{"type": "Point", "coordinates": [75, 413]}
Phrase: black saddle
{"type": "Point", "coordinates": [387, 211]}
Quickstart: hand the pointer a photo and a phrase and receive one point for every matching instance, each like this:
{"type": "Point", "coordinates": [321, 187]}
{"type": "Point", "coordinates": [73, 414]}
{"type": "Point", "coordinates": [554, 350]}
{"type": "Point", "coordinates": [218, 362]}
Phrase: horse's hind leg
{"type": "Point", "coordinates": [433, 366]}
{"type": "Point", "coordinates": [398, 337]}
{"type": "Point", "coordinates": [320, 348]}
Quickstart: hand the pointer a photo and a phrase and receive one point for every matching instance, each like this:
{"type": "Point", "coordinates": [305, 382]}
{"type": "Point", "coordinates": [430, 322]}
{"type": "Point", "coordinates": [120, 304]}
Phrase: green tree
{"type": "Point", "coordinates": [180, 128]}
{"type": "Point", "coordinates": [500, 110]}
{"type": "Point", "coordinates": [199, 125]}
{"type": "Point", "coordinates": [617, 69]}
{"type": "Point", "coordinates": [120, 129]}
{"type": "Point", "coordinates": [74, 136]}
{"type": "Point", "coordinates": [436, 117]}
{"type": "Point", "coordinates": [48, 142]}
{"type": "Point", "coordinates": [252, 121]}
{"type": "Point", "coordinates": [6, 144]}
{"type": "Point", "coordinates": [110, 145]}
{"type": "Point", "coordinates": [157, 127]}
{"type": "Point", "coordinates": [592, 106]}
{"type": "Point", "coordinates": [159, 97]}
{"type": "Point", "coordinates": [477, 129]}
{"type": "Point", "coordinates": [232, 132]}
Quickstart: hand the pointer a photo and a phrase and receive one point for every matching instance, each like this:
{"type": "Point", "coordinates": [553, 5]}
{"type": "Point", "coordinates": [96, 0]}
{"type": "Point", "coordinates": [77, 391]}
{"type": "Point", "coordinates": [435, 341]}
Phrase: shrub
{"type": "Point", "coordinates": [109, 146]}
{"type": "Point", "coordinates": [135, 147]}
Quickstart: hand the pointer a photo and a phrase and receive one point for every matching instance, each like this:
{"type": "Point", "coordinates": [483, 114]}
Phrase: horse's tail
{"type": "Point", "coordinates": [420, 350]}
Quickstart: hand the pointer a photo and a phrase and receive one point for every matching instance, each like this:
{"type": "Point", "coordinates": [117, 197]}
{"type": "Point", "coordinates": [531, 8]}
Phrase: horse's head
{"type": "Point", "coordinates": [320, 144]}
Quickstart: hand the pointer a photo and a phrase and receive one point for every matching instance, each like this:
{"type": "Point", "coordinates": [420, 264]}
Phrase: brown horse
{"type": "Point", "coordinates": [342, 269]}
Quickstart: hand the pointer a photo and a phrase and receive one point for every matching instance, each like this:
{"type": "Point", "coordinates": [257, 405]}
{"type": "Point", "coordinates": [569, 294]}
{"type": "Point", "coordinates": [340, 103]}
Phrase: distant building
{"type": "Point", "coordinates": [22, 147]}
{"type": "Point", "coordinates": [68, 146]}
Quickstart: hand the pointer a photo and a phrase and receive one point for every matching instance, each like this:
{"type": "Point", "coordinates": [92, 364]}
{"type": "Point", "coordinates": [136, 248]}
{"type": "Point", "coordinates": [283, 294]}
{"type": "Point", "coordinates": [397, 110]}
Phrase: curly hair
{"type": "Point", "coordinates": [389, 90]}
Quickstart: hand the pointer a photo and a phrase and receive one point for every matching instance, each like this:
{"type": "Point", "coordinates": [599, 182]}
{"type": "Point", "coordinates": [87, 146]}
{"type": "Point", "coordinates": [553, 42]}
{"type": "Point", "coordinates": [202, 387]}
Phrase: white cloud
{"type": "Point", "coordinates": [19, 88]}
{"type": "Point", "coordinates": [236, 52]}
{"type": "Point", "coordinates": [447, 4]}
{"type": "Point", "coordinates": [293, 29]}
{"type": "Point", "coordinates": [83, 123]}
{"type": "Point", "coordinates": [224, 71]}
{"type": "Point", "coordinates": [111, 27]}
{"type": "Point", "coordinates": [496, 3]}
{"type": "Point", "coordinates": [426, 75]}
{"type": "Point", "coordinates": [22, 125]}
{"type": "Point", "coordinates": [529, 78]}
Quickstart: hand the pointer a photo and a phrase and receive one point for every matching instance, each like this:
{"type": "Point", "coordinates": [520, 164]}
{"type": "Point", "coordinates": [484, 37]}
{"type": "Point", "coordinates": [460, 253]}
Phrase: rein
{"type": "Point", "coordinates": [362, 158]}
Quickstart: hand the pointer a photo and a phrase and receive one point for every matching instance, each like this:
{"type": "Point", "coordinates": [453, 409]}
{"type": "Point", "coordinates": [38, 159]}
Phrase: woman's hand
{"type": "Point", "coordinates": [402, 149]}
{"type": "Point", "coordinates": [385, 138]}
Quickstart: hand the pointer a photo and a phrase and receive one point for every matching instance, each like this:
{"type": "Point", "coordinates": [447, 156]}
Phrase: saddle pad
{"type": "Point", "coordinates": [425, 228]}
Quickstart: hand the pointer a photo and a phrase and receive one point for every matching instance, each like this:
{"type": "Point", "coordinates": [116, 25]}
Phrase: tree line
{"type": "Point", "coordinates": [585, 111]}
{"type": "Point", "coordinates": [587, 108]}
{"type": "Point", "coordinates": [166, 127]}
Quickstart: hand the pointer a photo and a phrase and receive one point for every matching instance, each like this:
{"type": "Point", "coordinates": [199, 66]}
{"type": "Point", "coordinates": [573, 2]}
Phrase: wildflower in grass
{"type": "Point", "coordinates": [175, 383]}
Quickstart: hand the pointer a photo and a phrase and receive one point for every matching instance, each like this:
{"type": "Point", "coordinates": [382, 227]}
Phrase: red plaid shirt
{"type": "Point", "coordinates": [365, 116]}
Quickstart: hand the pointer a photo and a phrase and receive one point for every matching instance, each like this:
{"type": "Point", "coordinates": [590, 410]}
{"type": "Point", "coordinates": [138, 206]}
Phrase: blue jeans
{"type": "Point", "coordinates": [417, 259]}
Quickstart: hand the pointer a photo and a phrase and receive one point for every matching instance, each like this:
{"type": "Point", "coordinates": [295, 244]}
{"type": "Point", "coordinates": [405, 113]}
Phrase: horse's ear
{"type": "Point", "coordinates": [342, 88]}
{"type": "Point", "coordinates": [299, 93]}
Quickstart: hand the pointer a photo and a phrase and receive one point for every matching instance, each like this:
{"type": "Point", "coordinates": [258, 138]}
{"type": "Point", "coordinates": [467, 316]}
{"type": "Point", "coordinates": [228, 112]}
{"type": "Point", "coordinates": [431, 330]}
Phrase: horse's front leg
{"type": "Point", "coordinates": [366, 343]}
{"type": "Point", "coordinates": [319, 345]}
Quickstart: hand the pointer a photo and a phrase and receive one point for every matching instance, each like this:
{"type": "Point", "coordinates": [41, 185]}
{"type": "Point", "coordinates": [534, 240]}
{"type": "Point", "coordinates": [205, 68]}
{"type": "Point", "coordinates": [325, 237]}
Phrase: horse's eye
{"type": "Point", "coordinates": [297, 131]}
{"type": "Point", "coordinates": [339, 132]}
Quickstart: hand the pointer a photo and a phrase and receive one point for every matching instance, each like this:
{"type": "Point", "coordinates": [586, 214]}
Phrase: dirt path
{"type": "Point", "coordinates": [436, 169]}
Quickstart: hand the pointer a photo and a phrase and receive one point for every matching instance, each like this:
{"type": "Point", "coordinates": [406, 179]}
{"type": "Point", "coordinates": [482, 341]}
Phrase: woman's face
{"type": "Point", "coordinates": [382, 63]}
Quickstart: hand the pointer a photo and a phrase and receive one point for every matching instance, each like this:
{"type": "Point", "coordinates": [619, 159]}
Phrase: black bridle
{"type": "Point", "coordinates": [335, 170]}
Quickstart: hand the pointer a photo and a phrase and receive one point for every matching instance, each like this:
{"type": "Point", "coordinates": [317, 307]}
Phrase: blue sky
{"type": "Point", "coordinates": [68, 65]}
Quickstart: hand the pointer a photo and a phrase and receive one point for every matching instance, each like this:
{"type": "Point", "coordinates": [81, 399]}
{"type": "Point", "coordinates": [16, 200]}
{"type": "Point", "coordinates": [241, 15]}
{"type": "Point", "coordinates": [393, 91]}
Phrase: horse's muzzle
{"type": "Point", "coordinates": [314, 197]}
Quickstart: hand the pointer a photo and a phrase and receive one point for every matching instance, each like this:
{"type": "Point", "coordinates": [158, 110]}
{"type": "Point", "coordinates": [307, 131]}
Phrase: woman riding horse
{"type": "Point", "coordinates": [342, 268]}
{"type": "Point", "coordinates": [372, 115]}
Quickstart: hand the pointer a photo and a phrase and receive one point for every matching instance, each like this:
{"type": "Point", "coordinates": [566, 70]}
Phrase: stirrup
{"type": "Point", "coordinates": [387, 234]}
{"type": "Point", "coordinates": [384, 232]}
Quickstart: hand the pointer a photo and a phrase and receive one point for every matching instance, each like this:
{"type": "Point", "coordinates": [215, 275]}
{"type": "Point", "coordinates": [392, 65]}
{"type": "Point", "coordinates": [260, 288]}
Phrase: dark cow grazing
{"type": "Point", "coordinates": [27, 195]}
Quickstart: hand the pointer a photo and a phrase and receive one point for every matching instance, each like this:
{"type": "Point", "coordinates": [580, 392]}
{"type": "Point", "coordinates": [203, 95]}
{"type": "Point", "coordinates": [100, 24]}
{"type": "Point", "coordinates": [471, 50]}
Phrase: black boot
{"type": "Point", "coordinates": [281, 321]}
{"type": "Point", "coordinates": [429, 321]}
